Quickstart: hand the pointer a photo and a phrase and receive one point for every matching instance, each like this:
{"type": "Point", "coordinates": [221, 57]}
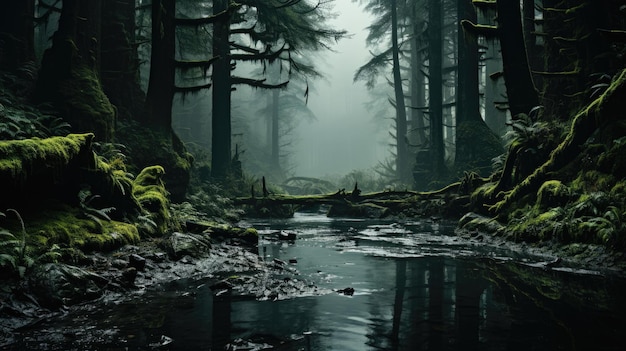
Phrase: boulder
{"type": "Point", "coordinates": [181, 244]}
{"type": "Point", "coordinates": [56, 285]}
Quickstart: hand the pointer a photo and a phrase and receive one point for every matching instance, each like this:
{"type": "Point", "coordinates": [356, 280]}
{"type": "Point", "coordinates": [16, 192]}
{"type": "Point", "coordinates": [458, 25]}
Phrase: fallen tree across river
{"type": "Point", "coordinates": [451, 201]}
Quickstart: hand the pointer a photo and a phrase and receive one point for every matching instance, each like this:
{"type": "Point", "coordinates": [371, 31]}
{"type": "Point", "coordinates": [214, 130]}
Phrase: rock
{"type": "Point", "coordinates": [473, 222]}
{"type": "Point", "coordinates": [220, 231]}
{"type": "Point", "coordinates": [56, 284]}
{"type": "Point", "coordinates": [129, 275]}
{"type": "Point", "coordinates": [137, 262]}
{"type": "Point", "coordinates": [181, 245]}
{"type": "Point", "coordinates": [347, 291]}
{"type": "Point", "coordinates": [119, 263]}
{"type": "Point", "coordinates": [366, 210]}
{"type": "Point", "coordinates": [286, 235]}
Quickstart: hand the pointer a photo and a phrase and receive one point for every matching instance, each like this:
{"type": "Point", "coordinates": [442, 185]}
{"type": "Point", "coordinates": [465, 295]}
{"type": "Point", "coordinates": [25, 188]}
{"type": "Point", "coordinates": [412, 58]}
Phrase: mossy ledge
{"type": "Point", "coordinates": [30, 168]}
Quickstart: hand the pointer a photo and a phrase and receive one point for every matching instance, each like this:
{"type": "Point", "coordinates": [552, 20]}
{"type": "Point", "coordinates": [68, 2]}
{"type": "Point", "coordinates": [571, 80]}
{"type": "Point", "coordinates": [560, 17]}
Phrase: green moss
{"type": "Point", "coordinates": [149, 190]}
{"type": "Point", "coordinates": [553, 193]}
{"type": "Point", "coordinates": [155, 147]}
{"type": "Point", "coordinates": [31, 169]}
{"type": "Point", "coordinates": [592, 180]}
{"type": "Point", "coordinates": [22, 157]}
{"type": "Point", "coordinates": [90, 108]}
{"type": "Point", "coordinates": [67, 227]}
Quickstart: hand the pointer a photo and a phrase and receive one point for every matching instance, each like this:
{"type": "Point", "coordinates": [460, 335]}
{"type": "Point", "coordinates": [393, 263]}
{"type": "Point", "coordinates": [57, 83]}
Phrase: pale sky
{"type": "Point", "coordinates": [343, 138]}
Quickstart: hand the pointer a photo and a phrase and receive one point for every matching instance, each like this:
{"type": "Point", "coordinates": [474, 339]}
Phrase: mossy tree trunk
{"type": "Point", "coordinates": [601, 111]}
{"type": "Point", "coordinates": [69, 74]}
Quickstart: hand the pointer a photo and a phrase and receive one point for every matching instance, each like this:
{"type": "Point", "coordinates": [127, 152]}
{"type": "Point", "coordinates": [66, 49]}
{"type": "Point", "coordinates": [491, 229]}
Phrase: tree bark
{"type": "Point", "coordinates": [221, 89]}
{"type": "Point", "coordinates": [435, 88]}
{"type": "Point", "coordinates": [467, 95]}
{"type": "Point", "coordinates": [417, 132]}
{"type": "Point", "coordinates": [17, 33]}
{"type": "Point", "coordinates": [402, 153]}
{"type": "Point", "coordinates": [520, 88]}
{"type": "Point", "coordinates": [119, 67]}
{"type": "Point", "coordinates": [275, 136]}
{"type": "Point", "coordinates": [160, 93]}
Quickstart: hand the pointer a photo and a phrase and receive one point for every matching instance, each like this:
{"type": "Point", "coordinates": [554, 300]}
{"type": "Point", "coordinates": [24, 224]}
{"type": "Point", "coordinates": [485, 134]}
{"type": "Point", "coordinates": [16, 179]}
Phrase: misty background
{"type": "Point", "coordinates": [327, 135]}
{"type": "Point", "coordinates": [346, 135]}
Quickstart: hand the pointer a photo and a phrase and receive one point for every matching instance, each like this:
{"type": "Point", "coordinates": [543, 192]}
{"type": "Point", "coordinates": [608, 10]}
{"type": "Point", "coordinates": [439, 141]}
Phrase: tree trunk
{"type": "Point", "coordinates": [467, 95]}
{"type": "Point", "coordinates": [520, 88]}
{"type": "Point", "coordinates": [275, 162]}
{"type": "Point", "coordinates": [68, 76]}
{"type": "Point", "coordinates": [17, 33]}
{"type": "Point", "coordinates": [119, 68]}
{"type": "Point", "coordinates": [402, 154]}
{"type": "Point", "coordinates": [160, 93]}
{"type": "Point", "coordinates": [435, 87]}
{"type": "Point", "coordinates": [417, 132]}
{"type": "Point", "coordinates": [495, 118]}
{"type": "Point", "coordinates": [221, 138]}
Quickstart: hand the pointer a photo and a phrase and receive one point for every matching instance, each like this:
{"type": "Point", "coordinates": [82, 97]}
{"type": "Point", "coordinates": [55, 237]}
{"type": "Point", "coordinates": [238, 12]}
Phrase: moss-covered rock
{"type": "Point", "coordinates": [220, 231]}
{"type": "Point", "coordinates": [33, 169]}
{"type": "Point", "coordinates": [149, 190]}
{"type": "Point", "coordinates": [71, 229]}
{"type": "Point", "coordinates": [553, 193]}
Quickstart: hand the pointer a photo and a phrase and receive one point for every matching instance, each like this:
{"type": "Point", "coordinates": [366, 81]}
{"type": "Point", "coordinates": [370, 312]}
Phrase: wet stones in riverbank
{"type": "Point", "coordinates": [56, 285]}
{"type": "Point", "coordinates": [181, 244]}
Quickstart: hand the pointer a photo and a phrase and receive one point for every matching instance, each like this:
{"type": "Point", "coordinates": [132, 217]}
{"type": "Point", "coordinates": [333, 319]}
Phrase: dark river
{"type": "Point", "coordinates": [416, 287]}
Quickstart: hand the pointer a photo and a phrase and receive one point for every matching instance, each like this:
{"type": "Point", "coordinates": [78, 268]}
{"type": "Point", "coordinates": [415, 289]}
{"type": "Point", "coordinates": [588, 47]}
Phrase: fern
{"type": "Point", "coordinates": [146, 225]}
{"type": "Point", "coordinates": [13, 249]}
{"type": "Point", "coordinates": [95, 214]}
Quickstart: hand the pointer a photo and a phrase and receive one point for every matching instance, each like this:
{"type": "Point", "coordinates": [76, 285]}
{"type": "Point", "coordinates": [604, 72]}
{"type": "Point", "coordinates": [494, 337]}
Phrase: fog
{"type": "Point", "coordinates": [345, 136]}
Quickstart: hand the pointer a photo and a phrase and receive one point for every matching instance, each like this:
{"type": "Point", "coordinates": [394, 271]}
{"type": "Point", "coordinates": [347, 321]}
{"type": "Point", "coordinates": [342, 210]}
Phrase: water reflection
{"type": "Point", "coordinates": [415, 288]}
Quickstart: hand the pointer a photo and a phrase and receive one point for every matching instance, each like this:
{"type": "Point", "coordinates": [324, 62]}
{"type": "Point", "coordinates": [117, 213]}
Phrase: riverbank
{"type": "Point", "coordinates": [337, 285]}
{"type": "Point", "coordinates": [230, 266]}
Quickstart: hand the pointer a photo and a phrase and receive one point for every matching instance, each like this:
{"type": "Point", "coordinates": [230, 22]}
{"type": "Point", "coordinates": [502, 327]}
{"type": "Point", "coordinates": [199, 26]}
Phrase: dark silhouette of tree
{"type": "Point", "coordinates": [279, 31]}
{"type": "Point", "coordinates": [160, 92]}
{"type": "Point", "coordinates": [521, 92]}
{"type": "Point", "coordinates": [435, 87]}
{"type": "Point", "coordinates": [17, 33]}
{"type": "Point", "coordinates": [475, 143]}
{"type": "Point", "coordinates": [402, 151]}
{"type": "Point", "coordinates": [388, 23]}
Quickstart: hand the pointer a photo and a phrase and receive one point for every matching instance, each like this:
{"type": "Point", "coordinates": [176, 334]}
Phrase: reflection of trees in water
{"type": "Point", "coordinates": [436, 306]}
{"type": "Point", "coordinates": [274, 319]}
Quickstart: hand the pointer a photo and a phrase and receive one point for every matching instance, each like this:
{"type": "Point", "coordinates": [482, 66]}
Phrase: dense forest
{"type": "Point", "coordinates": [124, 121]}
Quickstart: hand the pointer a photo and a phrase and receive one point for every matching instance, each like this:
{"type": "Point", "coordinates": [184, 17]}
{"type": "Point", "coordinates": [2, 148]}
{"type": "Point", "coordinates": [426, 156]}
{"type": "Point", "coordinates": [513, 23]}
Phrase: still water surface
{"type": "Point", "coordinates": [416, 287]}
